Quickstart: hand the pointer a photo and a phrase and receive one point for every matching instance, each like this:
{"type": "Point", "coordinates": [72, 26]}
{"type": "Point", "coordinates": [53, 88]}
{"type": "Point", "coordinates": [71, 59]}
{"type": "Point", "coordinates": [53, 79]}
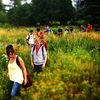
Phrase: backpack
{"type": "Point", "coordinates": [42, 49]}
{"type": "Point", "coordinates": [29, 83]}
{"type": "Point", "coordinates": [28, 37]}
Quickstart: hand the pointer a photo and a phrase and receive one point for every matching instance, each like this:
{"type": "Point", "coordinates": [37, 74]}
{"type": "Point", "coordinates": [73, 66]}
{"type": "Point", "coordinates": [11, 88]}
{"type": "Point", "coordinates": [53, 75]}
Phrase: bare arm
{"type": "Point", "coordinates": [31, 59]}
{"type": "Point", "coordinates": [44, 62]}
{"type": "Point", "coordinates": [27, 41]}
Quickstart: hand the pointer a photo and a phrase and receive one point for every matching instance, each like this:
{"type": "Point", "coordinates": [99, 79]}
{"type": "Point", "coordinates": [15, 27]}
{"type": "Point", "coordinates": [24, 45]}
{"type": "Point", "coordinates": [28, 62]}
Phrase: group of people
{"type": "Point", "coordinates": [71, 30]}
{"type": "Point", "coordinates": [83, 29]}
{"type": "Point", "coordinates": [66, 31]}
{"type": "Point", "coordinates": [38, 58]}
{"type": "Point", "coordinates": [97, 27]}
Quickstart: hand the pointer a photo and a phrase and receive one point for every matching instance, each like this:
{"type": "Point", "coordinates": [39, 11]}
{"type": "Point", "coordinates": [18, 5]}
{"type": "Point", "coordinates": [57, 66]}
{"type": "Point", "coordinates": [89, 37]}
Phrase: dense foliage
{"type": "Point", "coordinates": [72, 71]}
{"type": "Point", "coordinates": [50, 12]}
{"type": "Point", "coordinates": [53, 10]}
{"type": "Point", "coordinates": [44, 12]}
{"type": "Point", "coordinates": [89, 11]}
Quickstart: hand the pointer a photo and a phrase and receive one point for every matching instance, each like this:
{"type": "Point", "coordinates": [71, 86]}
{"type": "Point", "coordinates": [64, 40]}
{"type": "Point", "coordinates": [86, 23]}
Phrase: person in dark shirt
{"type": "Point", "coordinates": [82, 28]}
{"type": "Point", "coordinates": [48, 30]}
{"type": "Point", "coordinates": [60, 31]}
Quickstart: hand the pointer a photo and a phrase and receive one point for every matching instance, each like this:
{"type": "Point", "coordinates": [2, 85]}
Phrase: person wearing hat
{"type": "Point", "coordinates": [30, 38]}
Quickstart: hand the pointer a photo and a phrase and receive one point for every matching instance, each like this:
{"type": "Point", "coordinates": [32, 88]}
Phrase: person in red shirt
{"type": "Point", "coordinates": [89, 28]}
{"type": "Point", "coordinates": [39, 33]}
{"type": "Point", "coordinates": [44, 43]}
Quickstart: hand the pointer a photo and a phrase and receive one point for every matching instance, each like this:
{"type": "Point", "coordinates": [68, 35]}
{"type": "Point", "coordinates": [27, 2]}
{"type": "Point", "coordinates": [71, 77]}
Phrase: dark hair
{"type": "Point", "coordinates": [38, 29]}
{"type": "Point", "coordinates": [9, 49]}
{"type": "Point", "coordinates": [31, 30]}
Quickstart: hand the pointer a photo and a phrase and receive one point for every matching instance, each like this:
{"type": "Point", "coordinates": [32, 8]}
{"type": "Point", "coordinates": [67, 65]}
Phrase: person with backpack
{"type": "Point", "coordinates": [39, 32]}
{"type": "Point", "coordinates": [16, 74]}
{"type": "Point", "coordinates": [48, 30]}
{"type": "Point", "coordinates": [60, 31]}
{"type": "Point", "coordinates": [38, 56]}
{"type": "Point", "coordinates": [82, 28]}
{"type": "Point", "coordinates": [30, 38]}
{"type": "Point", "coordinates": [44, 43]}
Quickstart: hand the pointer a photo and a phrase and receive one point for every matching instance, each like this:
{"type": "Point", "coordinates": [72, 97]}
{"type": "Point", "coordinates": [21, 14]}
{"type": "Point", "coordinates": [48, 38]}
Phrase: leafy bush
{"type": "Point", "coordinates": [20, 42]}
{"type": "Point", "coordinates": [71, 73]}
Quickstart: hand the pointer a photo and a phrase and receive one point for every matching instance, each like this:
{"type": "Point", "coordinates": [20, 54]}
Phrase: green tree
{"type": "Point", "coordinates": [90, 11]}
{"type": "Point", "coordinates": [23, 15]}
{"type": "Point", "coordinates": [67, 11]}
{"type": "Point", "coordinates": [1, 6]}
{"type": "Point", "coordinates": [43, 12]}
{"type": "Point", "coordinates": [20, 15]}
{"type": "Point", "coordinates": [12, 16]}
{"type": "Point", "coordinates": [53, 10]}
{"type": "Point", "coordinates": [3, 15]}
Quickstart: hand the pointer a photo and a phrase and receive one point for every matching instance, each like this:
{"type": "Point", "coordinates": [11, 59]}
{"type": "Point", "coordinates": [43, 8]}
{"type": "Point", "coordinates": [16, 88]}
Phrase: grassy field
{"type": "Point", "coordinates": [72, 71]}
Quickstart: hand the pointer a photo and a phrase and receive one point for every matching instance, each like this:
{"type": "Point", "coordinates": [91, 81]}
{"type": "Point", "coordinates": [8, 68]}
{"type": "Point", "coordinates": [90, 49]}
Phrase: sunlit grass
{"type": "Point", "coordinates": [71, 73]}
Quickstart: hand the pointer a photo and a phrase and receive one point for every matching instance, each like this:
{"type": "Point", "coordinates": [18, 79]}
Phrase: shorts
{"type": "Point", "coordinates": [37, 68]}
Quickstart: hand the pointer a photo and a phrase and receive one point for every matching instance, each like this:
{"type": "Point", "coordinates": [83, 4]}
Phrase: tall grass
{"type": "Point", "coordinates": [71, 73]}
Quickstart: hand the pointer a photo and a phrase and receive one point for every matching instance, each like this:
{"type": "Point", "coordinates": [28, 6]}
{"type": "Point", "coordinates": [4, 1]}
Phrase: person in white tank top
{"type": "Point", "coordinates": [17, 75]}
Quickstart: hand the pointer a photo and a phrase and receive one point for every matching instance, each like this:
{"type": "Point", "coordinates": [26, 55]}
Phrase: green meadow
{"type": "Point", "coordinates": [72, 71]}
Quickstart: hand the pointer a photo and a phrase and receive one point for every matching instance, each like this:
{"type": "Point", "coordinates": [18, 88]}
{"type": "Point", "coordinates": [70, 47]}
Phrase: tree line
{"type": "Point", "coordinates": [46, 12]}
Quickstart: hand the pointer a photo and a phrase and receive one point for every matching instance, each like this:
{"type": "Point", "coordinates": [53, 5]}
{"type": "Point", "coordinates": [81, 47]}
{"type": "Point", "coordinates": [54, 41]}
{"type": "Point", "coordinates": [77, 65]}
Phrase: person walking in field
{"type": "Point", "coordinates": [66, 32]}
{"type": "Point", "coordinates": [38, 56]}
{"type": "Point", "coordinates": [60, 31]}
{"type": "Point", "coordinates": [89, 28]}
{"type": "Point", "coordinates": [44, 43]}
{"type": "Point", "coordinates": [67, 29]}
{"type": "Point", "coordinates": [39, 32]}
{"type": "Point", "coordinates": [16, 74]}
{"type": "Point", "coordinates": [30, 38]}
{"type": "Point", "coordinates": [72, 30]}
{"type": "Point", "coordinates": [48, 30]}
{"type": "Point", "coordinates": [82, 28]}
